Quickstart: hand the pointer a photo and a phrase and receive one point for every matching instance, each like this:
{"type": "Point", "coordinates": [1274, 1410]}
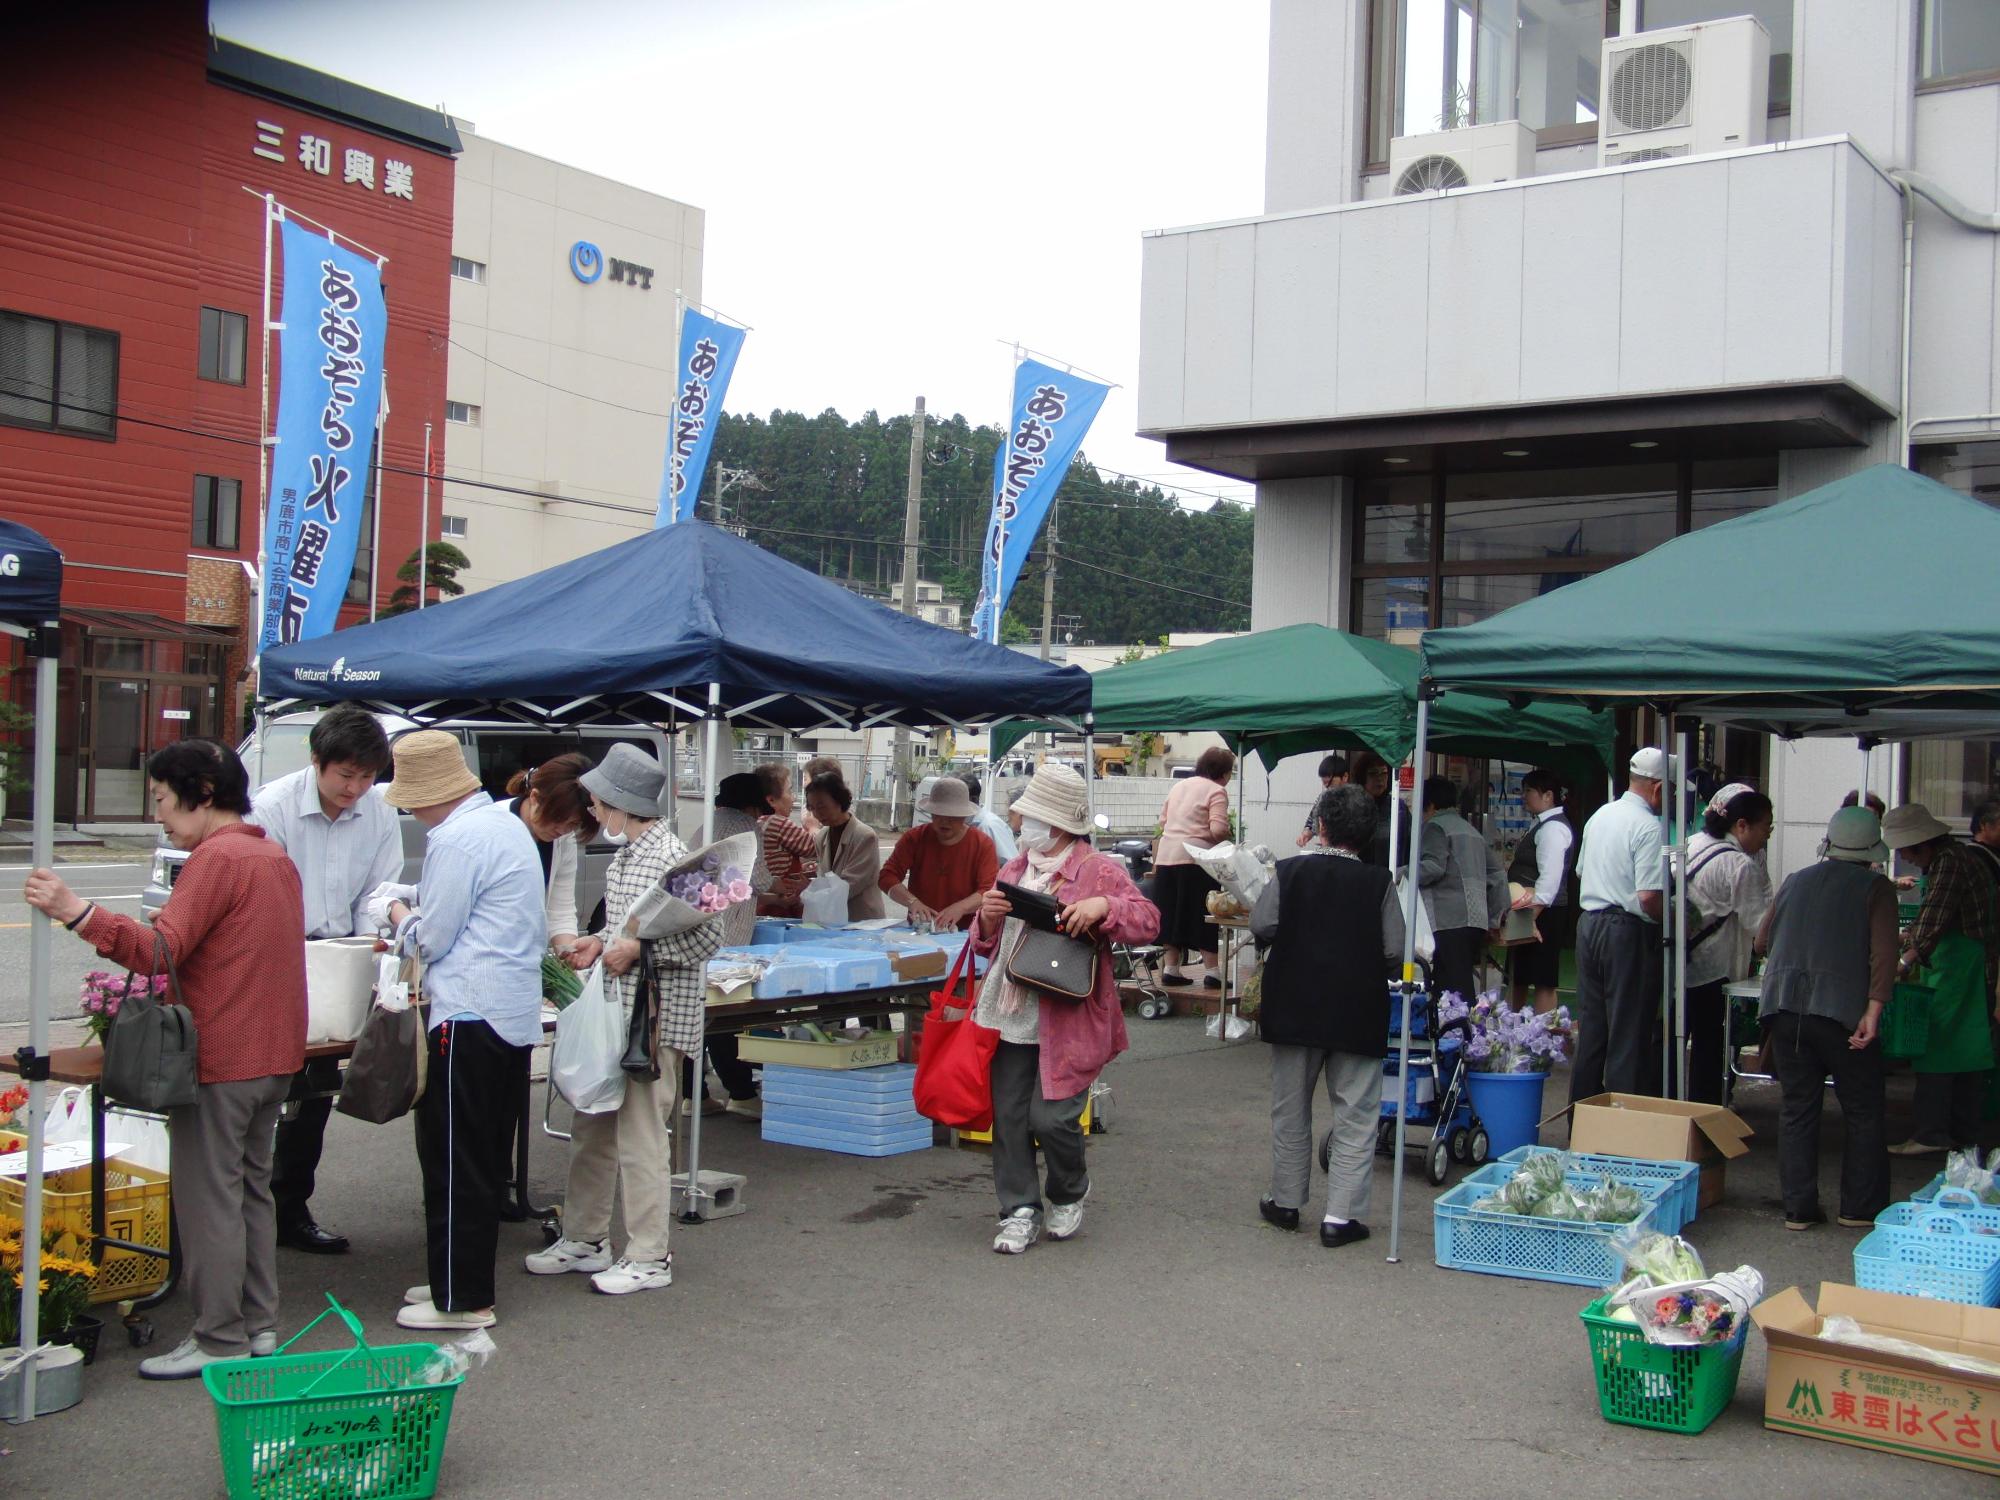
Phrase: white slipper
{"type": "Point", "coordinates": [430, 1315]}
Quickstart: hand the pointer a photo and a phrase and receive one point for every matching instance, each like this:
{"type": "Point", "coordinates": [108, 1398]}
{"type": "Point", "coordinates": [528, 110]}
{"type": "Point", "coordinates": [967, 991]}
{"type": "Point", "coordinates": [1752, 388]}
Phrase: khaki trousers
{"type": "Point", "coordinates": [628, 1151]}
{"type": "Point", "coordinates": [220, 1160]}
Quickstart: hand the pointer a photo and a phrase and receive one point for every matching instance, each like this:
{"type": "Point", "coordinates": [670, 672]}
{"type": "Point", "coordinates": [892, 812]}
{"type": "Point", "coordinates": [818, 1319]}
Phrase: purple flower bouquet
{"type": "Point", "coordinates": [1506, 1040]}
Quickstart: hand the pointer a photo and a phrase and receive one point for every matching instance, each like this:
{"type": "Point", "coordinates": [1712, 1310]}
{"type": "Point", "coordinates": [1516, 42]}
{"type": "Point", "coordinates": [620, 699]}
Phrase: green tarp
{"type": "Point", "coordinates": [1308, 688]}
{"type": "Point", "coordinates": [1867, 606]}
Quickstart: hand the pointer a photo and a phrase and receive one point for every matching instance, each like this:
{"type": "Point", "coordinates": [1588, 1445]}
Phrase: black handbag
{"type": "Point", "coordinates": [1061, 967]}
{"type": "Point", "coordinates": [642, 1031]}
{"type": "Point", "coordinates": [149, 1049]}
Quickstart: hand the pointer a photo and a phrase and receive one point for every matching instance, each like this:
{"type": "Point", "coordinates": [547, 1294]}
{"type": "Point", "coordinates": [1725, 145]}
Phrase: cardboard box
{"type": "Point", "coordinates": [913, 964]}
{"type": "Point", "coordinates": [1662, 1130]}
{"type": "Point", "coordinates": [1817, 1387]}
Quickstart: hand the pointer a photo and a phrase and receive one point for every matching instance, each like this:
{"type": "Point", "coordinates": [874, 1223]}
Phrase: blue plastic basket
{"type": "Point", "coordinates": [1495, 1244]}
{"type": "Point", "coordinates": [1677, 1184]}
{"type": "Point", "coordinates": [1936, 1254]}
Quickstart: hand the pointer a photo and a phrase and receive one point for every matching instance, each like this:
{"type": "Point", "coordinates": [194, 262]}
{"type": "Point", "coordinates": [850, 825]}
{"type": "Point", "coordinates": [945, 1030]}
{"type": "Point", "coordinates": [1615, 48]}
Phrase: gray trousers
{"type": "Point", "coordinates": [221, 1164]}
{"type": "Point", "coordinates": [1021, 1117]}
{"type": "Point", "coordinates": [1618, 977]}
{"type": "Point", "coordinates": [1354, 1087]}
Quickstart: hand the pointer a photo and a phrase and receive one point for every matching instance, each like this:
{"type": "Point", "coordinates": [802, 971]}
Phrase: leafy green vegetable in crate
{"type": "Point", "coordinates": [1561, 1204]}
{"type": "Point", "coordinates": [560, 983]}
{"type": "Point", "coordinates": [1665, 1258]}
{"type": "Point", "coordinates": [1613, 1202]}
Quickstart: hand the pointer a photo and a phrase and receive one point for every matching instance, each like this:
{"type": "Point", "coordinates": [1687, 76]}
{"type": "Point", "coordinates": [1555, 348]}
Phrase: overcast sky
{"type": "Point", "coordinates": [893, 187]}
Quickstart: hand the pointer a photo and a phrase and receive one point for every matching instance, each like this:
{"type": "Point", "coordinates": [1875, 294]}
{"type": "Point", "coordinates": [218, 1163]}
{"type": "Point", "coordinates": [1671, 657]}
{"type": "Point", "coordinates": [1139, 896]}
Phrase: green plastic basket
{"type": "Point", "coordinates": [335, 1424]}
{"type": "Point", "coordinates": [1674, 1388]}
{"type": "Point", "coordinates": [1906, 1021]}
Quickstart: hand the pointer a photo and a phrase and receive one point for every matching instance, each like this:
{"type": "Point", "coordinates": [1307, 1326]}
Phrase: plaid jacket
{"type": "Point", "coordinates": [1958, 897]}
{"type": "Point", "coordinates": [680, 962]}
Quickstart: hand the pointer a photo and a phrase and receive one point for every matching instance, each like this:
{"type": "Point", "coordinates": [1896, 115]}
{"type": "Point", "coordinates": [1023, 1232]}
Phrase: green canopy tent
{"type": "Point", "coordinates": [1864, 608]}
{"type": "Point", "coordinates": [1307, 687]}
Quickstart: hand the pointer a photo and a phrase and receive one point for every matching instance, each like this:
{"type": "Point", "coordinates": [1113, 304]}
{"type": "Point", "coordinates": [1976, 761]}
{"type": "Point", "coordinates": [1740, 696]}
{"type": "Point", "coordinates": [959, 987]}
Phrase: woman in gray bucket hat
{"type": "Point", "coordinates": [626, 1150]}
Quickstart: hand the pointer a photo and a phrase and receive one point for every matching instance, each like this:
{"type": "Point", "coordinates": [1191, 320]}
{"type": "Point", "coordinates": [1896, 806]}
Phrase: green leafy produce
{"type": "Point", "coordinates": [560, 983]}
{"type": "Point", "coordinates": [1667, 1259]}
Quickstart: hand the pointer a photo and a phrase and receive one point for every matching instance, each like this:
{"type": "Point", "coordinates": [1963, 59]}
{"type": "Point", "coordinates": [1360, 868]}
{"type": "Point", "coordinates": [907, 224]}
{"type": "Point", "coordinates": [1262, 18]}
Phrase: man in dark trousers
{"type": "Point", "coordinates": [1986, 837]}
{"type": "Point", "coordinates": [1618, 969]}
{"type": "Point", "coordinates": [345, 841]}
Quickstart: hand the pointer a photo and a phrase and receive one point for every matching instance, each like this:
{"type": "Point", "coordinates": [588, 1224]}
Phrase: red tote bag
{"type": "Point", "coordinates": [954, 1082]}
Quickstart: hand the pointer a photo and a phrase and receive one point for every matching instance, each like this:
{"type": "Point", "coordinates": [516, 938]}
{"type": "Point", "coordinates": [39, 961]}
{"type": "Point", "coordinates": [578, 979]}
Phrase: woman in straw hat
{"type": "Point", "coordinates": [1956, 942]}
{"type": "Point", "coordinates": [626, 1150]}
{"type": "Point", "coordinates": [1052, 1049]}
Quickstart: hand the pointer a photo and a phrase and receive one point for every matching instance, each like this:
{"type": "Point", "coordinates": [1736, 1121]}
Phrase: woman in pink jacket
{"type": "Point", "coordinates": [1052, 1049]}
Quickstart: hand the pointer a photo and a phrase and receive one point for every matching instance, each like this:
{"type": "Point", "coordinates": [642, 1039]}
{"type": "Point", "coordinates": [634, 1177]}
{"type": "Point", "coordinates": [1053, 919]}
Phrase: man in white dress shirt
{"type": "Point", "coordinates": [345, 841]}
{"type": "Point", "coordinates": [1618, 969]}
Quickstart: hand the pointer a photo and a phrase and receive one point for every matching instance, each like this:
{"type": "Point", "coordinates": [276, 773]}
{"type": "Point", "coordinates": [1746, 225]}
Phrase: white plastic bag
{"type": "Point", "coordinates": [1426, 948]}
{"type": "Point", "coordinates": [137, 1138]}
{"type": "Point", "coordinates": [584, 1065]}
{"type": "Point", "coordinates": [1242, 872]}
{"type": "Point", "coordinates": [824, 901]}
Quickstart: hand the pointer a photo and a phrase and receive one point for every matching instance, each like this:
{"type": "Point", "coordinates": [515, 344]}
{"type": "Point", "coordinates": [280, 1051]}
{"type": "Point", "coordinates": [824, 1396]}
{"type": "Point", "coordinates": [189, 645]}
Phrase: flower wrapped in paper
{"type": "Point", "coordinates": [1504, 1039]}
{"type": "Point", "coordinates": [696, 890]}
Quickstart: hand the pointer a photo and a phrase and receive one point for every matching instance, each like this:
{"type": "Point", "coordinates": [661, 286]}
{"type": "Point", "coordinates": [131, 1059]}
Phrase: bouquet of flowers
{"type": "Point", "coordinates": [103, 993]}
{"type": "Point", "coordinates": [1506, 1040]}
{"type": "Point", "coordinates": [1673, 1299]}
{"type": "Point", "coordinates": [10, 1104]}
{"type": "Point", "coordinates": [67, 1273]}
{"type": "Point", "coordinates": [698, 889]}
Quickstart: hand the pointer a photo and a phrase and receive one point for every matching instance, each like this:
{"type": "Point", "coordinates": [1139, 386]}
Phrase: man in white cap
{"type": "Point", "coordinates": [479, 926]}
{"type": "Point", "coordinates": [1831, 937]}
{"type": "Point", "coordinates": [1956, 942]}
{"type": "Point", "coordinates": [1618, 938]}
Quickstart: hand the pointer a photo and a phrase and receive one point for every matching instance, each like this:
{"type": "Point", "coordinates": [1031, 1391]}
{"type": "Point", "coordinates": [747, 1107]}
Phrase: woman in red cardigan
{"type": "Point", "coordinates": [235, 928]}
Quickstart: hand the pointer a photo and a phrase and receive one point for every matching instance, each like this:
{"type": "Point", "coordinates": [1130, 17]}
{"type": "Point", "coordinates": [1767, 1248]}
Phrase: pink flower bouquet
{"type": "Point", "coordinates": [102, 994]}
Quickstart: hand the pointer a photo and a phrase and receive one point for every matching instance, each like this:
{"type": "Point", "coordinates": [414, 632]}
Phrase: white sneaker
{"type": "Point", "coordinates": [182, 1362]}
{"type": "Point", "coordinates": [634, 1276]}
{"type": "Point", "coordinates": [569, 1255]}
{"type": "Point", "coordinates": [265, 1344]}
{"type": "Point", "coordinates": [1065, 1219]}
{"type": "Point", "coordinates": [1018, 1230]}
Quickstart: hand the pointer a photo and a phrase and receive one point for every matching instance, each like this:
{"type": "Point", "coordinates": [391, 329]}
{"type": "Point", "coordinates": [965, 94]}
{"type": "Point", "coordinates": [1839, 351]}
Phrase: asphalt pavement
{"type": "Point", "coordinates": [852, 1335]}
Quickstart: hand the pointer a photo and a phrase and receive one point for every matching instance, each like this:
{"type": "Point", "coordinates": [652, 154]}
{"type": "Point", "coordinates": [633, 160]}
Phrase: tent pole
{"type": "Point", "coordinates": [46, 645]}
{"type": "Point", "coordinates": [1669, 815]}
{"type": "Point", "coordinates": [713, 727]}
{"type": "Point", "coordinates": [691, 1196]}
{"type": "Point", "coordinates": [1395, 806]}
{"type": "Point", "coordinates": [1681, 921]}
{"type": "Point", "coordinates": [1089, 772]}
{"type": "Point", "coordinates": [1408, 987]}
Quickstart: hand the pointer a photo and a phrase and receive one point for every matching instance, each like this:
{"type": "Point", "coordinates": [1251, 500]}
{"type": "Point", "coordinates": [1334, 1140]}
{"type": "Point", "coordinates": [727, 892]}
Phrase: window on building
{"type": "Point", "coordinates": [461, 412]}
{"type": "Point", "coordinates": [60, 376]}
{"type": "Point", "coordinates": [1441, 64]}
{"type": "Point", "coordinates": [225, 340]}
{"type": "Point", "coordinates": [218, 508]}
{"type": "Point", "coordinates": [473, 271]}
{"type": "Point", "coordinates": [1443, 549]}
{"type": "Point", "coordinates": [1957, 39]}
{"type": "Point", "coordinates": [451, 526]}
{"type": "Point", "coordinates": [1951, 777]}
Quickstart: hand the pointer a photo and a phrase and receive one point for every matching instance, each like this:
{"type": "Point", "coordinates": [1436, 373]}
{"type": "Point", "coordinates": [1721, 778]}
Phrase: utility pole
{"type": "Point", "coordinates": [1049, 582]}
{"type": "Point", "coordinates": [912, 519]}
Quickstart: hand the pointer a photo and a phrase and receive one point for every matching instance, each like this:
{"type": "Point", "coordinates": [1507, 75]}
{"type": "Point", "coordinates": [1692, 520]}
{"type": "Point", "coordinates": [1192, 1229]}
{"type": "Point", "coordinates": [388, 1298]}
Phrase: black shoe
{"type": "Point", "coordinates": [1284, 1218]}
{"type": "Point", "coordinates": [1333, 1236]}
{"type": "Point", "coordinates": [1799, 1223]}
{"type": "Point", "coordinates": [1213, 982]}
{"type": "Point", "coordinates": [1176, 980]}
{"type": "Point", "coordinates": [303, 1234]}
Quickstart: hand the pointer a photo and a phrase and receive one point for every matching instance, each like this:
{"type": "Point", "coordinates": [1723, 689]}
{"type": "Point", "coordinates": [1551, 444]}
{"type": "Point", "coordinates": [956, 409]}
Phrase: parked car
{"type": "Point", "coordinates": [494, 750]}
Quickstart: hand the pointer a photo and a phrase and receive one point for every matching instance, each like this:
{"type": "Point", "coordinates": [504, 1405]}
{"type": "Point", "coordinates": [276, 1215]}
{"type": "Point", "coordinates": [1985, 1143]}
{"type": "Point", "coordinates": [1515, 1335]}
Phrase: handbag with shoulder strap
{"type": "Point", "coordinates": [642, 1033]}
{"type": "Point", "coordinates": [149, 1050]}
{"type": "Point", "coordinates": [1059, 966]}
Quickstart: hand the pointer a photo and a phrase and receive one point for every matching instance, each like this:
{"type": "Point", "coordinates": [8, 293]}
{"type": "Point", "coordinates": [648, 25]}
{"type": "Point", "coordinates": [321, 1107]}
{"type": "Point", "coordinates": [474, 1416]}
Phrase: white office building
{"type": "Point", "coordinates": [1540, 284]}
{"type": "Point", "coordinates": [563, 338]}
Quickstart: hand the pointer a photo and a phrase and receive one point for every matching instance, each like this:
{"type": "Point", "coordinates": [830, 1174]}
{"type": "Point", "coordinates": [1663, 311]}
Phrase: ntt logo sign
{"type": "Point", "coordinates": [586, 261]}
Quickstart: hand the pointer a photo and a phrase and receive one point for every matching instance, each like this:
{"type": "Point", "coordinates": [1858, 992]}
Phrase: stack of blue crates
{"type": "Point", "coordinates": [861, 1112]}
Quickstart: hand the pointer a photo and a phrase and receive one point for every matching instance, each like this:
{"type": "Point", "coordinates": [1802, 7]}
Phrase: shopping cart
{"type": "Point", "coordinates": [1438, 1101]}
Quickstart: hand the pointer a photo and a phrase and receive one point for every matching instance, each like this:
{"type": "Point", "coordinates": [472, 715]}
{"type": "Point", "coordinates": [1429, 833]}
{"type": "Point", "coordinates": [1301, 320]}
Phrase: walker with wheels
{"type": "Point", "coordinates": [1439, 1102]}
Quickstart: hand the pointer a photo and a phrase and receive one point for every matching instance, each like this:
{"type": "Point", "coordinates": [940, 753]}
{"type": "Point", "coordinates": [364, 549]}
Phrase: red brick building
{"type": "Point", "coordinates": [133, 148]}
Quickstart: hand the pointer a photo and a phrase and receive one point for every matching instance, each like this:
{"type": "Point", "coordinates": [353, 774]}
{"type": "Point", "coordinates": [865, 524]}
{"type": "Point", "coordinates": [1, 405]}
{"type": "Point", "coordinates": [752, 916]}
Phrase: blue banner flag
{"type": "Point", "coordinates": [1052, 412]}
{"type": "Point", "coordinates": [329, 383]}
{"type": "Point", "coordinates": [701, 380]}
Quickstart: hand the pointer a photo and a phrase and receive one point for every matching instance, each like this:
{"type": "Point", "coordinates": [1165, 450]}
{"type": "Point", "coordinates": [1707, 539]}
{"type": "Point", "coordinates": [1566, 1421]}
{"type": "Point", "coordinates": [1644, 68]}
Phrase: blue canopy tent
{"type": "Point", "coordinates": [30, 607]}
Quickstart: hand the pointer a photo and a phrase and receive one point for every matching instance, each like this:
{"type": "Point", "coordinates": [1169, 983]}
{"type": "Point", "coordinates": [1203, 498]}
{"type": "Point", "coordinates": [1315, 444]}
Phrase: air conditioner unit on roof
{"type": "Point", "coordinates": [1684, 91]}
{"type": "Point", "coordinates": [1468, 157]}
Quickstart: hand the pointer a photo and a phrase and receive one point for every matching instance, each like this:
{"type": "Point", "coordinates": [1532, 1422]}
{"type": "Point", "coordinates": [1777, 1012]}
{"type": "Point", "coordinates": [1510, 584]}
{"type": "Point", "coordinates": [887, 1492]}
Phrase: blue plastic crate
{"type": "Point", "coordinates": [1664, 1199]}
{"type": "Point", "coordinates": [1676, 1183]}
{"type": "Point", "coordinates": [1938, 1254]}
{"type": "Point", "coordinates": [1497, 1244]}
{"type": "Point", "coordinates": [885, 1081]}
{"type": "Point", "coordinates": [849, 1143]}
{"type": "Point", "coordinates": [843, 967]}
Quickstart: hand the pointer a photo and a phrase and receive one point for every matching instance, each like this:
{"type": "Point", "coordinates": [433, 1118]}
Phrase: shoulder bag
{"type": "Point", "coordinates": [149, 1051]}
{"type": "Point", "coordinates": [954, 1080]}
{"type": "Point", "coordinates": [1046, 959]}
{"type": "Point", "coordinates": [642, 1031]}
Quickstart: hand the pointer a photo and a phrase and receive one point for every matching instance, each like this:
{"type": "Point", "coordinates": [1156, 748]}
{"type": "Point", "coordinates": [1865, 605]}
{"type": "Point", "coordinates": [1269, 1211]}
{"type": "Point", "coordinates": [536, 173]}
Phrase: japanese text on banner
{"type": "Point", "coordinates": [1052, 412]}
{"type": "Point", "coordinates": [329, 385]}
{"type": "Point", "coordinates": [701, 374]}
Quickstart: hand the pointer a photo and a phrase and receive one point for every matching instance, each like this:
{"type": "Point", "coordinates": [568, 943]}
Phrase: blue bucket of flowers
{"type": "Point", "coordinates": [1508, 1055]}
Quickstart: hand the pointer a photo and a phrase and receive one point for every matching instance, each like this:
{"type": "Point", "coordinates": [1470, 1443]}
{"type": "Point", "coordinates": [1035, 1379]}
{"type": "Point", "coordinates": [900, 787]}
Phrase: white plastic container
{"type": "Point", "coordinates": [340, 981]}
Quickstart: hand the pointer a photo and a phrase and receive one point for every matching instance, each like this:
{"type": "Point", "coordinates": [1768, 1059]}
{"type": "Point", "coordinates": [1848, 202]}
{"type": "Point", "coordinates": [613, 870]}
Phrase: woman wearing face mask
{"type": "Point", "coordinates": [550, 799]}
{"type": "Point", "coordinates": [626, 1151]}
{"type": "Point", "coordinates": [1051, 1050]}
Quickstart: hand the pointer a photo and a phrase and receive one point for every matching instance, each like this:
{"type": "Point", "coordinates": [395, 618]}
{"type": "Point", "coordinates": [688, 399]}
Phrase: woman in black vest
{"type": "Point", "coordinates": [1543, 862]}
{"type": "Point", "coordinates": [1333, 933]}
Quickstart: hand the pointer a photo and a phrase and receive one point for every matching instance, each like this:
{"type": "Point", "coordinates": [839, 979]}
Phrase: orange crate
{"type": "Point", "coordinates": [137, 1205]}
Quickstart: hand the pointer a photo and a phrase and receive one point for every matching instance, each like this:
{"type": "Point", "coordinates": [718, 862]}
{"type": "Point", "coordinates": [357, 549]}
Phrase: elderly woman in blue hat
{"type": "Point", "coordinates": [627, 1150]}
